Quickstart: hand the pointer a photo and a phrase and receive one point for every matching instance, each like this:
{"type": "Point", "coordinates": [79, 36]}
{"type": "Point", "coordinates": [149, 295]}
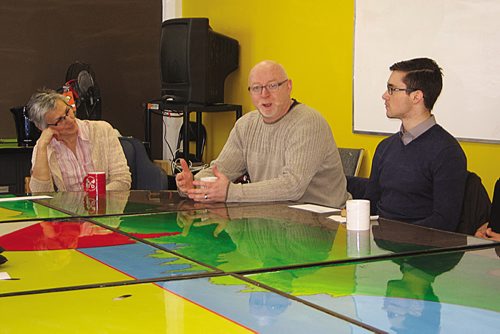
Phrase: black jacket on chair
{"type": "Point", "coordinates": [476, 205]}
{"type": "Point", "coordinates": [495, 209]}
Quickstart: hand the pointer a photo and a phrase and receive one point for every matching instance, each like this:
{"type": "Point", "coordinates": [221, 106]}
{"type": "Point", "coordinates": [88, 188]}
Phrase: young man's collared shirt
{"type": "Point", "coordinates": [408, 135]}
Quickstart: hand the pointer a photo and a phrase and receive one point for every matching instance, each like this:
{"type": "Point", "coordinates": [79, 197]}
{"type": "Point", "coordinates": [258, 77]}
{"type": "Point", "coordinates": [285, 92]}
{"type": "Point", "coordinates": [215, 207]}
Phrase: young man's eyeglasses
{"type": "Point", "coordinates": [60, 119]}
{"type": "Point", "coordinates": [271, 87]}
{"type": "Point", "coordinates": [391, 90]}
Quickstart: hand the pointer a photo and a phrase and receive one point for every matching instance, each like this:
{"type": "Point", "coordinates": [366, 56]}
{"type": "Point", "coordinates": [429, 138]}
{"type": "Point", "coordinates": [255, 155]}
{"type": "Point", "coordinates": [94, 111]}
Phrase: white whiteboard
{"type": "Point", "coordinates": [462, 36]}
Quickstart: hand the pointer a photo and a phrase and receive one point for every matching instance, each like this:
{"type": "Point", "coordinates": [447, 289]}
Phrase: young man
{"type": "Point", "coordinates": [418, 174]}
{"type": "Point", "coordinates": [286, 147]}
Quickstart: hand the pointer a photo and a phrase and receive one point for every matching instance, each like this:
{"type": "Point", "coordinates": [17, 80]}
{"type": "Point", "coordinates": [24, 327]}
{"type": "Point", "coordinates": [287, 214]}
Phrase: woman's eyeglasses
{"type": "Point", "coordinates": [60, 119]}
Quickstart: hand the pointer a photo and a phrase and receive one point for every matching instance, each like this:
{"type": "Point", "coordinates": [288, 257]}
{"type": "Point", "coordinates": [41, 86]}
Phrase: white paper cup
{"type": "Point", "coordinates": [358, 243]}
{"type": "Point", "coordinates": [358, 214]}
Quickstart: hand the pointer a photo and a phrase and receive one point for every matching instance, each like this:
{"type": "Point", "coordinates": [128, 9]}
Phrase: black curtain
{"type": "Point", "coordinates": [118, 38]}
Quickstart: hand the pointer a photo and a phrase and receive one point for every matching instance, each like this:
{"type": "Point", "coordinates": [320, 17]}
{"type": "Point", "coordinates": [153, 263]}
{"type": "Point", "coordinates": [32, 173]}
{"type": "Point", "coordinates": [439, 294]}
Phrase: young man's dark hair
{"type": "Point", "coordinates": [422, 74]}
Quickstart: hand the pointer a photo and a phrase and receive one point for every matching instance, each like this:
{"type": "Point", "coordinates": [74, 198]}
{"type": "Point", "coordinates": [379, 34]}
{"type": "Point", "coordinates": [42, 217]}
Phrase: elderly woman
{"type": "Point", "coordinates": [69, 148]}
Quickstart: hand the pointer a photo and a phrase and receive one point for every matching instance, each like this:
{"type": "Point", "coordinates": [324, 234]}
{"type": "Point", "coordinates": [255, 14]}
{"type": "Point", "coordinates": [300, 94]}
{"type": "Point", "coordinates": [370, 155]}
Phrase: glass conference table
{"type": "Point", "coordinates": [152, 260]}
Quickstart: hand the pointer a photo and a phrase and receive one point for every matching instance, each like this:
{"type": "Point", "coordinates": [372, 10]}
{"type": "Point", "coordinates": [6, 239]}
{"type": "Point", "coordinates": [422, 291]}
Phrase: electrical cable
{"type": "Point", "coordinates": [165, 137]}
{"type": "Point", "coordinates": [175, 162]}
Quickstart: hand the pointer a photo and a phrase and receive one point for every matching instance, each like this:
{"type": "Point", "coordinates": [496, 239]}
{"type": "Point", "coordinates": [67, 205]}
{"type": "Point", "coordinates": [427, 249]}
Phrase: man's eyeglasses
{"type": "Point", "coordinates": [271, 87]}
{"type": "Point", "coordinates": [391, 90]}
{"type": "Point", "coordinates": [62, 118]}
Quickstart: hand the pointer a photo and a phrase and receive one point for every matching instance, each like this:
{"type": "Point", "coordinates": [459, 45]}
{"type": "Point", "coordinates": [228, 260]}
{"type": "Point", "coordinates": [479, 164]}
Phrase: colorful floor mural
{"type": "Point", "coordinates": [237, 269]}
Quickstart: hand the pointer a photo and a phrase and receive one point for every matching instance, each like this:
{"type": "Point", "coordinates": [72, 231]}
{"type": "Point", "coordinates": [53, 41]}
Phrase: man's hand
{"type": "Point", "coordinates": [184, 179]}
{"type": "Point", "coordinates": [490, 235]}
{"type": "Point", "coordinates": [209, 192]}
{"type": "Point", "coordinates": [486, 232]}
{"type": "Point", "coordinates": [481, 231]}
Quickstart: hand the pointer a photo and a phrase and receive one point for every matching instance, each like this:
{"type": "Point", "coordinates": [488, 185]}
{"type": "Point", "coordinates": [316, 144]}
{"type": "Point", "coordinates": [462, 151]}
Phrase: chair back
{"type": "Point", "coordinates": [193, 137]}
{"type": "Point", "coordinates": [476, 205]}
{"type": "Point", "coordinates": [495, 208]}
{"type": "Point", "coordinates": [351, 160]}
{"type": "Point", "coordinates": [356, 186]}
{"type": "Point", "coordinates": [145, 174]}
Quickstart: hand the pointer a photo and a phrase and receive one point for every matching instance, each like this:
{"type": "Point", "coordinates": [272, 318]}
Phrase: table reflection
{"type": "Point", "coordinates": [259, 237]}
{"type": "Point", "coordinates": [81, 204]}
{"type": "Point", "coordinates": [125, 202]}
{"type": "Point", "coordinates": [237, 238]}
{"type": "Point", "coordinates": [411, 301]}
{"type": "Point", "coordinates": [266, 307]}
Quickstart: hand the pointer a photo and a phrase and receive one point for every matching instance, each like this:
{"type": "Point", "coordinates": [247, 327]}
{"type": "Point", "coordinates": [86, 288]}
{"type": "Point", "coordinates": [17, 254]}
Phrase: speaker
{"type": "Point", "coordinates": [27, 132]}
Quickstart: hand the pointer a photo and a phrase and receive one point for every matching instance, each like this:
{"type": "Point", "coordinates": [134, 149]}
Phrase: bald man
{"type": "Point", "coordinates": [286, 147]}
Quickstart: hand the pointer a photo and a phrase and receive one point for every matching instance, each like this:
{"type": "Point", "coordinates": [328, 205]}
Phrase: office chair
{"type": "Point", "coordinates": [495, 208]}
{"type": "Point", "coordinates": [356, 186]}
{"type": "Point", "coordinates": [145, 174]}
{"type": "Point", "coordinates": [193, 137]}
{"type": "Point", "coordinates": [476, 205]}
{"type": "Point", "coordinates": [351, 160]}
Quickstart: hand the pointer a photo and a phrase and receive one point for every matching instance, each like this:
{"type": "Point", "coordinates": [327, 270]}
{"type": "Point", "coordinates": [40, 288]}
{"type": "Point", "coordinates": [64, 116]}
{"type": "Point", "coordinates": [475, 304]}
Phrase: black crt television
{"type": "Point", "coordinates": [195, 61]}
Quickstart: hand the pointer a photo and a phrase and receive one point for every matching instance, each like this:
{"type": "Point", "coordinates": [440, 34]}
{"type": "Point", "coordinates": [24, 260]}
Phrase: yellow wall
{"type": "Point", "coordinates": [314, 41]}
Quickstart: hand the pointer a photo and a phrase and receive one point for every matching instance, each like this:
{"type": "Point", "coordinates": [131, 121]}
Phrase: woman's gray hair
{"type": "Point", "coordinates": [42, 102]}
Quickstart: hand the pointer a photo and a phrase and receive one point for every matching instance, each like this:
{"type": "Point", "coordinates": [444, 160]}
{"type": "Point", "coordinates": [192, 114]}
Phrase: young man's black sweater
{"type": "Point", "coordinates": [422, 182]}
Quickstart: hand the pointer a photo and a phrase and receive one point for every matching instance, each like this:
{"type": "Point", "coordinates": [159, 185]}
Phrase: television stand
{"type": "Point", "coordinates": [186, 110]}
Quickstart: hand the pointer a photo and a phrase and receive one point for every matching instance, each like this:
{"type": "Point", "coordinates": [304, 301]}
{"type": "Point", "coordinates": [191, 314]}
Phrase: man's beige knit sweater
{"type": "Point", "coordinates": [295, 158]}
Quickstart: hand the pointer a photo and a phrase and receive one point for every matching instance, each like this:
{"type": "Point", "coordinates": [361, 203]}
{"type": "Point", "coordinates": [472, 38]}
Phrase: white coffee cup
{"type": "Point", "coordinates": [358, 214]}
{"type": "Point", "coordinates": [358, 243]}
{"type": "Point", "coordinates": [209, 179]}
